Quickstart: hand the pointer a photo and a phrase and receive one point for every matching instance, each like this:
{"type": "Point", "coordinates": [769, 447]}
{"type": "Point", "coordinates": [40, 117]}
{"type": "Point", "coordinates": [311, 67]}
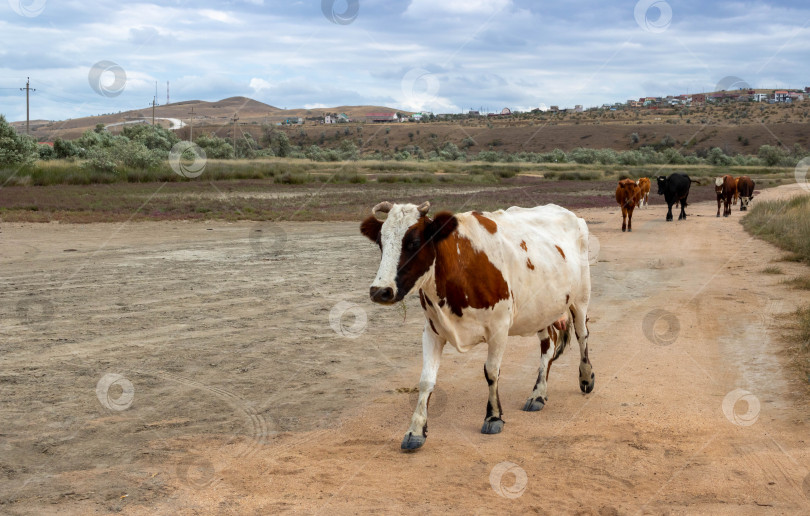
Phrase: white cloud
{"type": "Point", "coordinates": [461, 7]}
{"type": "Point", "coordinates": [259, 85]}
{"type": "Point", "coordinates": [219, 16]}
{"type": "Point", "coordinates": [483, 53]}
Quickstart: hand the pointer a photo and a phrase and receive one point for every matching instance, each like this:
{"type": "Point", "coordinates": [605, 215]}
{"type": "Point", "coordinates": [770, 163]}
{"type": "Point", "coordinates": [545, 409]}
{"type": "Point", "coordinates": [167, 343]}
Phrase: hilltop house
{"type": "Point", "coordinates": [781, 96]}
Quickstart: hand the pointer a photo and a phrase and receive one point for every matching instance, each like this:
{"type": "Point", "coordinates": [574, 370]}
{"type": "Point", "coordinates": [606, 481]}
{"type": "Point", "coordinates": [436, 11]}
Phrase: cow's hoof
{"type": "Point", "coordinates": [534, 405]}
{"type": "Point", "coordinates": [718, 215]}
{"type": "Point", "coordinates": [493, 426]}
{"type": "Point", "coordinates": [669, 219]}
{"type": "Point", "coordinates": [587, 386]}
{"type": "Point", "coordinates": [624, 229]}
{"type": "Point", "coordinates": [412, 442]}
{"type": "Point", "coordinates": [629, 229]}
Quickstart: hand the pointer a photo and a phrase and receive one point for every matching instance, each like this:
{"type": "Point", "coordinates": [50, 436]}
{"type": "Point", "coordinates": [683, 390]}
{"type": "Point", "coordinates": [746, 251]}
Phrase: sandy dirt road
{"type": "Point", "coordinates": [191, 368]}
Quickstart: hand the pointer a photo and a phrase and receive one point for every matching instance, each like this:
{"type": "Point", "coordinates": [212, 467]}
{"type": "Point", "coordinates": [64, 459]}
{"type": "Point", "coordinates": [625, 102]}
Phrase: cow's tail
{"type": "Point", "coordinates": [583, 241]}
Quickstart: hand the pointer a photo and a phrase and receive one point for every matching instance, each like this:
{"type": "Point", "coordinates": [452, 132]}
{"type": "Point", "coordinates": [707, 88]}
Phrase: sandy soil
{"type": "Point", "coordinates": [191, 368]}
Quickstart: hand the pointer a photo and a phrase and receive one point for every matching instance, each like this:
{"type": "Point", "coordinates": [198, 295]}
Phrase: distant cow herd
{"type": "Point", "coordinates": [675, 189]}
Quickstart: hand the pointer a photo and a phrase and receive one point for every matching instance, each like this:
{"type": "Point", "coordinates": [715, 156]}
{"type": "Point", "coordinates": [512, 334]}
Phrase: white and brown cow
{"type": "Point", "coordinates": [482, 277]}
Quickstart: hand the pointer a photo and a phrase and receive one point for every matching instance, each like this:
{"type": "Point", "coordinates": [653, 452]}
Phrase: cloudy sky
{"type": "Point", "coordinates": [437, 55]}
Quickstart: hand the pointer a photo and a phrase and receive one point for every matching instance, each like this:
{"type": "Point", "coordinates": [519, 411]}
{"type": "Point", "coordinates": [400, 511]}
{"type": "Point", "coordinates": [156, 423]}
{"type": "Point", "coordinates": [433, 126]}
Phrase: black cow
{"type": "Point", "coordinates": [675, 188]}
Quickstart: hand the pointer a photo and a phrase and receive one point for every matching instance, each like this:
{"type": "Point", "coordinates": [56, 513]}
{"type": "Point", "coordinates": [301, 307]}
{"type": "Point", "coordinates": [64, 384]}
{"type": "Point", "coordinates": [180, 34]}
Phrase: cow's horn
{"type": "Point", "coordinates": [424, 208]}
{"type": "Point", "coordinates": [383, 207]}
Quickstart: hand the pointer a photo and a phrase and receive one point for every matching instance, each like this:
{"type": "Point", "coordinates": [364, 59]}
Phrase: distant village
{"type": "Point", "coordinates": [670, 101]}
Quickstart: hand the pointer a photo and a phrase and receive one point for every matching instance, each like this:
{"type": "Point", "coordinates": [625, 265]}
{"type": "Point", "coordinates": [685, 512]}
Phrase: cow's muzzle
{"type": "Point", "coordinates": [384, 295]}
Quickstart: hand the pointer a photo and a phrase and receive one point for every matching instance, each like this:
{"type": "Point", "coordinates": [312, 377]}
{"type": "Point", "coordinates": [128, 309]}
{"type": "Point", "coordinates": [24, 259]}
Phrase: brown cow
{"type": "Point", "coordinates": [628, 195]}
{"type": "Point", "coordinates": [745, 189]}
{"type": "Point", "coordinates": [644, 185]}
{"type": "Point", "coordinates": [724, 187]}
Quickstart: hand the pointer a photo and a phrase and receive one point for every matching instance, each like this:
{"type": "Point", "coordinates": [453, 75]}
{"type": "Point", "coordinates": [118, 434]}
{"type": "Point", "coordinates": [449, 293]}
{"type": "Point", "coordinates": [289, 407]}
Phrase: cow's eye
{"type": "Point", "coordinates": [413, 245]}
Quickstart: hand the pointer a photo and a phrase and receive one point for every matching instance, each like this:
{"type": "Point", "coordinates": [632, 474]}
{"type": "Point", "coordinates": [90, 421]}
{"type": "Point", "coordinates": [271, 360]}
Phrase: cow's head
{"type": "Point", "coordinates": [407, 239]}
{"type": "Point", "coordinates": [718, 184]}
{"type": "Point", "coordinates": [662, 184]}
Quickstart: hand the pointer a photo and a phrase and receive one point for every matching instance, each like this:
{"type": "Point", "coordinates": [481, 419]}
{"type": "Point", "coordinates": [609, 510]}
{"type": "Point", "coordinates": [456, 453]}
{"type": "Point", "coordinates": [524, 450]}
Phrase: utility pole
{"type": "Point", "coordinates": [154, 103]}
{"type": "Point", "coordinates": [235, 119]}
{"type": "Point", "coordinates": [191, 127]}
{"type": "Point", "coordinates": [167, 93]}
{"type": "Point", "coordinates": [27, 89]}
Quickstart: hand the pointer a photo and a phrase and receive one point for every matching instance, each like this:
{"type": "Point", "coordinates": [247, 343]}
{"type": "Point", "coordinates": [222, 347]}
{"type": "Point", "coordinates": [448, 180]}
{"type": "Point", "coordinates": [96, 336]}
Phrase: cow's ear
{"type": "Point", "coordinates": [441, 227]}
{"type": "Point", "coordinates": [371, 228]}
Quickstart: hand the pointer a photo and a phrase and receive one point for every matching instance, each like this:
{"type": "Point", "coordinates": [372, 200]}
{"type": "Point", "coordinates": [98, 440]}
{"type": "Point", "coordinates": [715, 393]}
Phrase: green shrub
{"type": "Point", "coordinates": [215, 147]}
{"type": "Point", "coordinates": [718, 158]}
{"type": "Point", "coordinates": [15, 149]}
{"type": "Point", "coordinates": [46, 152]}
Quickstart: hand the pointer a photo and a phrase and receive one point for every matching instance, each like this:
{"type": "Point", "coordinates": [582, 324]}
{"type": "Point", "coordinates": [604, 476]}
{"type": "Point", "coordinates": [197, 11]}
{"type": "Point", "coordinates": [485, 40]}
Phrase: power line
{"type": "Point", "coordinates": [154, 103]}
{"type": "Point", "coordinates": [27, 90]}
{"type": "Point", "coordinates": [191, 126]}
{"type": "Point", "coordinates": [235, 119]}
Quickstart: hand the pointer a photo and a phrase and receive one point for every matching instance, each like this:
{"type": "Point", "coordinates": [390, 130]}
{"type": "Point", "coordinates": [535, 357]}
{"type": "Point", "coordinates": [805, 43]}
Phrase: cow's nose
{"type": "Point", "coordinates": [381, 295]}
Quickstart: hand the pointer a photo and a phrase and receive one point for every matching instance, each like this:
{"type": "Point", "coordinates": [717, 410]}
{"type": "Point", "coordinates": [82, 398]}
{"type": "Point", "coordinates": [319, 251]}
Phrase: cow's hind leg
{"type": "Point", "coordinates": [493, 422]}
{"type": "Point", "coordinates": [432, 346]}
{"type": "Point", "coordinates": [586, 376]}
{"type": "Point", "coordinates": [682, 216]}
{"type": "Point", "coordinates": [539, 396]}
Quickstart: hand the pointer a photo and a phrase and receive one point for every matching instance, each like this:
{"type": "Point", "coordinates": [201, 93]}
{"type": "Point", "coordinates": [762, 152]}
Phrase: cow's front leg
{"type": "Point", "coordinates": [669, 213]}
{"type": "Point", "coordinates": [493, 423]}
{"type": "Point", "coordinates": [624, 219]}
{"type": "Point", "coordinates": [432, 346]}
{"type": "Point", "coordinates": [630, 218]}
